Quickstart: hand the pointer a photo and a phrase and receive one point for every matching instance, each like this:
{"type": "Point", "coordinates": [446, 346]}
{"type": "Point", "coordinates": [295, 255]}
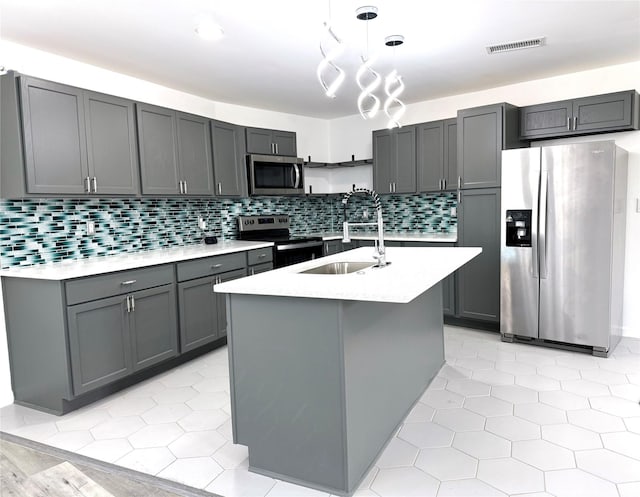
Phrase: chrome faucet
{"type": "Point", "coordinates": [380, 254]}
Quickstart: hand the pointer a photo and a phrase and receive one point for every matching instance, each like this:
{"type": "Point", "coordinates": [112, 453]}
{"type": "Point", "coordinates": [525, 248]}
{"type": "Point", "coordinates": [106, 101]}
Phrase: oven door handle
{"type": "Point", "coordinates": [293, 246]}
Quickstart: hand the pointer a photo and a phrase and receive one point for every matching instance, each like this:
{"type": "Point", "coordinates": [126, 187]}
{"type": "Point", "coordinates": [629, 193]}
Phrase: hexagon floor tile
{"type": "Point", "coordinates": [499, 419]}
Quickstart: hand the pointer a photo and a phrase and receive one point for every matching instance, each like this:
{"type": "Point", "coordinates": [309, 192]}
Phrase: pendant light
{"type": "Point", "coordinates": [328, 57]}
{"type": "Point", "coordinates": [393, 87]}
{"type": "Point", "coordinates": [368, 103]}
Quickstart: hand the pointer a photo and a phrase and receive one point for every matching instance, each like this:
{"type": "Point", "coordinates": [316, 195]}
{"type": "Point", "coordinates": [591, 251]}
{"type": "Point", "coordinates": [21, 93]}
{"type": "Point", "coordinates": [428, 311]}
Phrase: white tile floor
{"type": "Point", "coordinates": [500, 419]}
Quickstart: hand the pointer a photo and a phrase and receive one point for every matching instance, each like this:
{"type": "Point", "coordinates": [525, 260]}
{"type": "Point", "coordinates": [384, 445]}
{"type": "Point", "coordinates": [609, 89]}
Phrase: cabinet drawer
{"type": "Point", "coordinates": [260, 256]}
{"type": "Point", "coordinates": [97, 287]}
{"type": "Point", "coordinates": [260, 268]}
{"type": "Point", "coordinates": [210, 265]}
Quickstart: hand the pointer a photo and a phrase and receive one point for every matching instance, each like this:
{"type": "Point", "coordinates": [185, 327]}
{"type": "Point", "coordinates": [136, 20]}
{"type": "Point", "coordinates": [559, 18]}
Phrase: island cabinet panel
{"type": "Point", "coordinates": [308, 394]}
{"type": "Point", "coordinates": [229, 166]}
{"type": "Point", "coordinates": [478, 284]}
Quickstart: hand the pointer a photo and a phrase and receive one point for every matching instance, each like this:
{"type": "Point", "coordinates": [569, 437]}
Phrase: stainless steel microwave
{"type": "Point", "coordinates": [275, 175]}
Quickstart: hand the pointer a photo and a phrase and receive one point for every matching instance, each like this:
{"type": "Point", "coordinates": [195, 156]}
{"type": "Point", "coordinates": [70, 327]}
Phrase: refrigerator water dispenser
{"type": "Point", "coordinates": [518, 228]}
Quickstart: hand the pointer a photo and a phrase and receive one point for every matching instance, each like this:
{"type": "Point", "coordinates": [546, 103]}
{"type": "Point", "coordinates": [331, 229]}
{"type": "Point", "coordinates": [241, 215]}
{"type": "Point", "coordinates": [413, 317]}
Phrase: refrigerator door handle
{"type": "Point", "coordinates": [542, 233]}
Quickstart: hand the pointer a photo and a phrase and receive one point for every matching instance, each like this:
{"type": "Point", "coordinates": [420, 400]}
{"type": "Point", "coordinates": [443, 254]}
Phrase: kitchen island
{"type": "Point", "coordinates": [325, 367]}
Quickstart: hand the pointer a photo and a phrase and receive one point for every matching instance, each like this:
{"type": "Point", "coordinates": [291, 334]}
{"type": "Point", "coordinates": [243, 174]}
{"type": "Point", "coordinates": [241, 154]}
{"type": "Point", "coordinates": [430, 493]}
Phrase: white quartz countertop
{"type": "Point", "coordinates": [412, 271]}
{"type": "Point", "coordinates": [394, 236]}
{"type": "Point", "coordinates": [99, 265]}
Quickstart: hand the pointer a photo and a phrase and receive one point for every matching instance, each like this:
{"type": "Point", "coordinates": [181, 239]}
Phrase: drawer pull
{"type": "Point", "coordinates": [216, 266]}
{"type": "Point", "coordinates": [262, 256]}
{"type": "Point", "coordinates": [128, 282]}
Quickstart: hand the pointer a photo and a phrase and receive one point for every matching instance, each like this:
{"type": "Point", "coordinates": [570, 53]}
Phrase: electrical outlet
{"type": "Point", "coordinates": [91, 228]}
{"type": "Point", "coordinates": [454, 212]}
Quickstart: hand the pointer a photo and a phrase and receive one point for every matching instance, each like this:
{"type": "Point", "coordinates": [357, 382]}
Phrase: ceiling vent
{"type": "Point", "coordinates": [516, 45]}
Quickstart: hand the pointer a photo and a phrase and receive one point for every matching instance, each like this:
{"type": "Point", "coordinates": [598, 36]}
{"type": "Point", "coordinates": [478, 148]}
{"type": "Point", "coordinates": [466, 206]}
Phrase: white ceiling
{"type": "Point", "coordinates": [269, 54]}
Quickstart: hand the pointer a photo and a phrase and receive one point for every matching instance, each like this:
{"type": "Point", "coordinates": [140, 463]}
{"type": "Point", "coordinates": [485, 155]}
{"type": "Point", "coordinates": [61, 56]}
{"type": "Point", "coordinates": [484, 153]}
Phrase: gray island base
{"type": "Point", "coordinates": [324, 368]}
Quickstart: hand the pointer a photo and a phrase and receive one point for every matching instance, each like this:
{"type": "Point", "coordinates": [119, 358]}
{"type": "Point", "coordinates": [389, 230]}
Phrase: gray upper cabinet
{"type": "Point", "coordinates": [229, 166]}
{"type": "Point", "coordinates": [271, 141]}
{"type": "Point", "coordinates": [54, 137]}
{"type": "Point", "coordinates": [478, 285]}
{"type": "Point", "coordinates": [394, 160]}
{"type": "Point", "coordinates": [595, 114]}
{"type": "Point", "coordinates": [194, 154]}
{"type": "Point", "coordinates": [483, 132]}
{"type": "Point", "coordinates": [111, 144]}
{"type": "Point", "coordinates": [175, 152]}
{"type": "Point", "coordinates": [436, 155]}
{"type": "Point", "coordinates": [76, 141]}
{"type": "Point", "coordinates": [157, 139]}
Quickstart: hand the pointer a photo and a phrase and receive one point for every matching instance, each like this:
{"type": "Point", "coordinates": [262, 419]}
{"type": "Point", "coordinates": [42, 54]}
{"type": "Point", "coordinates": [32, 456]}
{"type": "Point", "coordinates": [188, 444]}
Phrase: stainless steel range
{"type": "Point", "coordinates": [275, 228]}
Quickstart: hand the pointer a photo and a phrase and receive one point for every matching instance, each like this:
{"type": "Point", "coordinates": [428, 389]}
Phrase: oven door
{"type": "Point", "coordinates": [287, 254]}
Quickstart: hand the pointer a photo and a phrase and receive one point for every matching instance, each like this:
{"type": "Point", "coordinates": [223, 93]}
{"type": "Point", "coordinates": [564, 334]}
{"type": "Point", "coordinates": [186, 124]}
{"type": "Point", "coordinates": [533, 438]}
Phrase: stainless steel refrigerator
{"type": "Point", "coordinates": [562, 245]}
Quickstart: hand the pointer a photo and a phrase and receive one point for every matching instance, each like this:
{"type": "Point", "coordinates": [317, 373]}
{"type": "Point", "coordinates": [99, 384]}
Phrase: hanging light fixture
{"type": "Point", "coordinates": [327, 62]}
{"type": "Point", "coordinates": [393, 87]}
{"type": "Point", "coordinates": [368, 103]}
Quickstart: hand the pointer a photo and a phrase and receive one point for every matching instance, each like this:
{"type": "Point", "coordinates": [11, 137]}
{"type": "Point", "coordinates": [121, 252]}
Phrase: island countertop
{"type": "Point", "coordinates": [393, 236]}
{"type": "Point", "coordinates": [412, 271]}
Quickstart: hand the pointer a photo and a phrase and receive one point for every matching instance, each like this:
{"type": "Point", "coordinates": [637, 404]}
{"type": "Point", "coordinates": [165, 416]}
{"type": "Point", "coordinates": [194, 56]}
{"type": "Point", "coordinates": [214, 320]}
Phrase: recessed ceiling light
{"type": "Point", "coordinates": [209, 30]}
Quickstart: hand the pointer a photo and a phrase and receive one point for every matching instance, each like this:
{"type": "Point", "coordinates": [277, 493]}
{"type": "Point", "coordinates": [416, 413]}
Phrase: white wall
{"type": "Point", "coordinates": [338, 139]}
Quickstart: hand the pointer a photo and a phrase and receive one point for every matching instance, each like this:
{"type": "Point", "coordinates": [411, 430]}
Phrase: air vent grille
{"type": "Point", "coordinates": [516, 45]}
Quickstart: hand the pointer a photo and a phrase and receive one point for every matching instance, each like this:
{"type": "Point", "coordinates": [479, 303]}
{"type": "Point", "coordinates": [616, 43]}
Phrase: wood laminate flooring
{"type": "Point", "coordinates": [30, 469]}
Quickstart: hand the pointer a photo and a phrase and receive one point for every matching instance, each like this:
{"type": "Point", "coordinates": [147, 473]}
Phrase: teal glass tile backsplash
{"type": "Point", "coordinates": [37, 231]}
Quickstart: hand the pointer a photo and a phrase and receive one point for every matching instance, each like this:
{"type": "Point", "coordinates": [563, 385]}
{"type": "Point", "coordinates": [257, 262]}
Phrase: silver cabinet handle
{"type": "Point", "coordinates": [128, 304]}
{"type": "Point", "coordinates": [252, 272]}
{"type": "Point", "coordinates": [180, 187]}
{"type": "Point", "coordinates": [390, 188]}
{"type": "Point", "coordinates": [459, 197]}
{"type": "Point", "coordinates": [261, 256]}
{"type": "Point", "coordinates": [216, 266]}
{"type": "Point", "coordinates": [444, 183]}
{"type": "Point", "coordinates": [569, 123]}
{"type": "Point", "coordinates": [575, 123]}
{"type": "Point", "coordinates": [87, 184]}
{"type": "Point", "coordinates": [133, 303]}
{"type": "Point", "coordinates": [185, 187]}
{"type": "Point", "coordinates": [94, 182]}
{"type": "Point", "coordinates": [128, 282]}
{"type": "Point", "coordinates": [459, 181]}
{"type": "Point", "coordinates": [219, 188]}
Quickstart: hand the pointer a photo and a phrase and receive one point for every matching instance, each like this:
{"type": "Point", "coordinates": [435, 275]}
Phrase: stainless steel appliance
{"type": "Point", "coordinates": [562, 245]}
{"type": "Point", "coordinates": [275, 175]}
{"type": "Point", "coordinates": [275, 228]}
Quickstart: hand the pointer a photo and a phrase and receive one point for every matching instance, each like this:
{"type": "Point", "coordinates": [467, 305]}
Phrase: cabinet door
{"type": "Point", "coordinates": [54, 137]}
{"type": "Point", "coordinates": [154, 329]}
{"type": "Point", "coordinates": [480, 146]}
{"type": "Point", "coordinates": [229, 166]}
{"type": "Point", "coordinates": [332, 247]}
{"type": "Point", "coordinates": [285, 142]}
{"type": "Point", "coordinates": [221, 298]}
{"type": "Point", "coordinates": [551, 119]}
{"type": "Point", "coordinates": [479, 279]}
{"type": "Point", "coordinates": [430, 156]}
{"type": "Point", "coordinates": [99, 343]}
{"type": "Point", "coordinates": [259, 141]}
{"type": "Point", "coordinates": [111, 144]}
{"type": "Point", "coordinates": [158, 150]}
{"type": "Point", "coordinates": [405, 160]}
{"type": "Point", "coordinates": [198, 313]}
{"type": "Point", "coordinates": [382, 158]}
{"type": "Point", "coordinates": [194, 154]}
{"type": "Point", "coordinates": [603, 112]}
{"type": "Point", "coordinates": [451, 154]}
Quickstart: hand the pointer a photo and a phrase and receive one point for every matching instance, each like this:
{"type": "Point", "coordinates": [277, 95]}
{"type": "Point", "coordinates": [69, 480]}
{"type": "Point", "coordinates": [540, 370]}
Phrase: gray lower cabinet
{"type": "Point", "coordinates": [259, 260]}
{"type": "Point", "coordinates": [271, 141]}
{"type": "Point", "coordinates": [394, 160]}
{"type": "Point", "coordinates": [75, 141]}
{"type": "Point", "coordinates": [331, 247]}
{"type": "Point", "coordinates": [229, 166]}
{"type": "Point", "coordinates": [483, 132]}
{"type": "Point", "coordinates": [202, 311]}
{"type": "Point", "coordinates": [175, 152]}
{"type": "Point", "coordinates": [478, 284]}
{"type": "Point", "coordinates": [595, 114]}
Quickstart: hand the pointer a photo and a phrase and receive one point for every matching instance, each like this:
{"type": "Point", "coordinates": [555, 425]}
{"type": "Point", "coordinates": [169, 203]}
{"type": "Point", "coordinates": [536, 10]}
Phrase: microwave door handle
{"type": "Point", "coordinates": [297, 180]}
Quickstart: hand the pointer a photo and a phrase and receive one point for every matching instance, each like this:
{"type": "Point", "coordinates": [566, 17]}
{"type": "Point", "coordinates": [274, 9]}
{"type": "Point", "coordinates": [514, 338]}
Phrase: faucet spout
{"type": "Point", "coordinates": [380, 252]}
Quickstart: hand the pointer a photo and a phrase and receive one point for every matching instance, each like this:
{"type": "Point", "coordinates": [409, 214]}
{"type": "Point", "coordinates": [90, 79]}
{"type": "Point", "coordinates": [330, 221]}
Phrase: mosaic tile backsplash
{"type": "Point", "coordinates": [38, 231]}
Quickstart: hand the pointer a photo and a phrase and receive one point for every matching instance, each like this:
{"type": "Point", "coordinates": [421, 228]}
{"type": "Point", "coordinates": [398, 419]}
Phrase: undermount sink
{"type": "Point", "coordinates": [338, 268]}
